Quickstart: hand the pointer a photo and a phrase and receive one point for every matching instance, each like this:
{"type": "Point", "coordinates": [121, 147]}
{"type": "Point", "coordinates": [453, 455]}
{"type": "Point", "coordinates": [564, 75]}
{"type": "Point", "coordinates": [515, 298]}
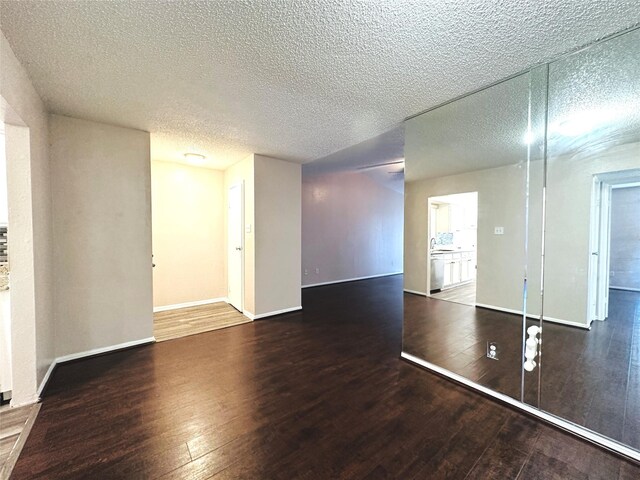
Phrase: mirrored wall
{"type": "Point", "coordinates": [522, 223]}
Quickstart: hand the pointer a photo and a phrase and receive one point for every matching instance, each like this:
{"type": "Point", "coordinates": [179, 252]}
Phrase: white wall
{"type": "Point", "coordinates": [188, 233]}
{"type": "Point", "coordinates": [625, 238]}
{"type": "Point", "coordinates": [278, 234]}
{"type": "Point", "coordinates": [30, 219]}
{"type": "Point", "coordinates": [101, 186]}
{"type": "Point", "coordinates": [352, 227]}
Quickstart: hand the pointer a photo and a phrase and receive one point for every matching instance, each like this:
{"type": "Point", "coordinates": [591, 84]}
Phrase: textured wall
{"type": "Point", "coordinates": [188, 233]}
{"type": "Point", "coordinates": [31, 224]}
{"type": "Point", "coordinates": [101, 186]}
{"type": "Point", "coordinates": [351, 228]}
{"type": "Point", "coordinates": [277, 233]}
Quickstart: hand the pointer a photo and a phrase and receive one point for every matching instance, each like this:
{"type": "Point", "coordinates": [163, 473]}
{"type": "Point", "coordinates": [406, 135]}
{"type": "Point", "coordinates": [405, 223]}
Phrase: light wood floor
{"type": "Point", "coordinates": [465, 294]}
{"type": "Point", "coordinates": [15, 424]}
{"type": "Point", "coordinates": [191, 320]}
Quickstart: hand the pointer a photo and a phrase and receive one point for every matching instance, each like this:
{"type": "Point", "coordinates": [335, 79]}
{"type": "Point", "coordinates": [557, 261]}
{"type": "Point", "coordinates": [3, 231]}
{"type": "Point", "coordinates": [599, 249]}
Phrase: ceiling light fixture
{"type": "Point", "coordinates": [195, 158]}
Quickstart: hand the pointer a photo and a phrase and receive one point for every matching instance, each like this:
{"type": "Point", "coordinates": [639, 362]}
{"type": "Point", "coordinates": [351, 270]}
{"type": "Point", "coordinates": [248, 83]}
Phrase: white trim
{"type": "Point", "coordinates": [45, 379]}
{"type": "Point", "coordinates": [626, 289]}
{"type": "Point", "coordinates": [88, 353]}
{"type": "Point", "coordinates": [197, 303]}
{"type": "Point", "coordinates": [29, 401]}
{"type": "Point", "coordinates": [351, 279]}
{"type": "Point", "coordinates": [557, 421]}
{"type": "Point", "coordinates": [545, 318]}
{"type": "Point", "coordinates": [111, 348]}
{"type": "Point", "coordinates": [252, 316]}
{"type": "Point", "coordinates": [415, 292]}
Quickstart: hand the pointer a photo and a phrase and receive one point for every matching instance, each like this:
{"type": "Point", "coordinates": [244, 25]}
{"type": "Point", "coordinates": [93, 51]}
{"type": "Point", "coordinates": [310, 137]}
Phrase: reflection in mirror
{"type": "Point", "coordinates": [466, 178]}
{"type": "Point", "coordinates": [591, 370]}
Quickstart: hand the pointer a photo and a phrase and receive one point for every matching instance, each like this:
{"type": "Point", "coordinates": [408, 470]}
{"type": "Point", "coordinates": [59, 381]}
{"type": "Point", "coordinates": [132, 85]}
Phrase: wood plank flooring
{"type": "Point", "coordinates": [589, 377]}
{"type": "Point", "coordinates": [182, 322]}
{"type": "Point", "coordinates": [465, 294]}
{"type": "Point", "coordinates": [315, 394]}
{"type": "Point", "coordinates": [15, 425]}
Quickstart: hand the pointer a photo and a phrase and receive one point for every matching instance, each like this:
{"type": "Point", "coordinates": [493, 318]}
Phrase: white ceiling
{"type": "Point", "coordinates": [294, 79]}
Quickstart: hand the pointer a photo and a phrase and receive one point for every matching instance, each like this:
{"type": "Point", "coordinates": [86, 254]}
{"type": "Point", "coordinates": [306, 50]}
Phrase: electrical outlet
{"type": "Point", "coordinates": [498, 230]}
{"type": "Point", "coordinates": [317, 271]}
{"type": "Point", "coordinates": [306, 272]}
{"type": "Point", "coordinates": [492, 350]}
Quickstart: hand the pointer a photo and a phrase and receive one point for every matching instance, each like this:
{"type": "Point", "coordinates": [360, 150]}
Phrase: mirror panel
{"type": "Point", "coordinates": [466, 180]}
{"type": "Point", "coordinates": [592, 243]}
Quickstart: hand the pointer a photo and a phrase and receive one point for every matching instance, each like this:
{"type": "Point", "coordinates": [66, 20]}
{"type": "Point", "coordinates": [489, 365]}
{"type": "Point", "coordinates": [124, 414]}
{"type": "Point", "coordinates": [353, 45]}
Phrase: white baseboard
{"type": "Point", "coordinates": [626, 289]}
{"type": "Point", "coordinates": [545, 318]}
{"type": "Point", "coordinates": [164, 308]}
{"type": "Point", "coordinates": [350, 279]}
{"type": "Point", "coordinates": [270, 314]}
{"type": "Point", "coordinates": [46, 377]}
{"type": "Point", "coordinates": [88, 353]}
{"type": "Point", "coordinates": [415, 292]}
{"type": "Point", "coordinates": [110, 348]}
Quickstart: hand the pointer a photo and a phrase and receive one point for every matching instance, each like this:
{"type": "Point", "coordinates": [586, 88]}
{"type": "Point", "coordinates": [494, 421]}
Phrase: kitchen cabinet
{"type": "Point", "coordinates": [459, 267]}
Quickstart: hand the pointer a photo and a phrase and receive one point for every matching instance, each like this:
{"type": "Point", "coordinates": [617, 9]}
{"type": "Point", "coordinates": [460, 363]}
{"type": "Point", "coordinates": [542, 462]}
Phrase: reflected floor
{"type": "Point", "coordinates": [465, 294]}
{"type": "Point", "coordinates": [589, 377]}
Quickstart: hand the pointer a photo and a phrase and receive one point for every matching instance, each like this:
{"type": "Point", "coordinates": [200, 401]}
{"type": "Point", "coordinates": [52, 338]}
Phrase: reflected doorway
{"type": "Point", "coordinates": [613, 238]}
{"type": "Point", "coordinates": [452, 252]}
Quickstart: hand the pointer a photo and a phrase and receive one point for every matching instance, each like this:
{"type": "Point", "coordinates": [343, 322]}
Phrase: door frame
{"type": "Point", "coordinates": [242, 242]}
{"type": "Point", "coordinates": [600, 238]}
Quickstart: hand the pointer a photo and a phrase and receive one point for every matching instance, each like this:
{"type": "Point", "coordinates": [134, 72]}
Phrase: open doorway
{"type": "Point", "coordinates": [190, 209]}
{"type": "Point", "coordinates": [452, 253]}
{"type": "Point", "coordinates": [614, 239]}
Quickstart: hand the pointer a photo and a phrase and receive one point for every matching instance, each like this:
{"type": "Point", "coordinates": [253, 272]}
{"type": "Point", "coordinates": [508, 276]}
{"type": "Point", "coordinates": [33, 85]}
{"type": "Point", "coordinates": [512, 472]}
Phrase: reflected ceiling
{"type": "Point", "coordinates": [485, 130]}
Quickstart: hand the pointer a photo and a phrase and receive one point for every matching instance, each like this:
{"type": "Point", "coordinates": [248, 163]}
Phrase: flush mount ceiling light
{"type": "Point", "coordinates": [195, 158]}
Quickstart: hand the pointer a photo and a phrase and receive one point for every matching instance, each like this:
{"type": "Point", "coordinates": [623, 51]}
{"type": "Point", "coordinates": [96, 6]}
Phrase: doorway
{"type": "Point", "coordinates": [452, 252]}
{"type": "Point", "coordinates": [613, 242]}
{"type": "Point", "coordinates": [235, 246]}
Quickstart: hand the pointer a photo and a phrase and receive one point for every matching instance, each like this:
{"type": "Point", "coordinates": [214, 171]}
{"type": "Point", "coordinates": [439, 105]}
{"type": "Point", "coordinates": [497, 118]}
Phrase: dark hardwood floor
{"type": "Point", "coordinates": [317, 394]}
{"type": "Point", "coordinates": [589, 377]}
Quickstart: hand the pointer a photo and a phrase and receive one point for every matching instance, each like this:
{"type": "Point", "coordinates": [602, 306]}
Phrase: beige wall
{"type": "Point", "coordinates": [272, 219]}
{"type": "Point", "coordinates": [278, 213]}
{"type": "Point", "coordinates": [501, 258]}
{"type": "Point", "coordinates": [188, 234]}
{"type": "Point", "coordinates": [31, 227]}
{"type": "Point", "coordinates": [101, 188]}
{"type": "Point", "coordinates": [352, 227]}
{"type": "Point", "coordinates": [243, 172]}
{"type": "Point", "coordinates": [569, 186]}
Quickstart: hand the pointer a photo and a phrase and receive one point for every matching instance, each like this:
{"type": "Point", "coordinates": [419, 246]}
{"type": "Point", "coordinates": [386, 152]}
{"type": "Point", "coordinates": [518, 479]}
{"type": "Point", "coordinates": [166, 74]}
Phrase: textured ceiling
{"type": "Point", "coordinates": [295, 79]}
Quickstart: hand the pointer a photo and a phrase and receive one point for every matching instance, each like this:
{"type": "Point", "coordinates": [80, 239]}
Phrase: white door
{"type": "Point", "coordinates": [235, 246]}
